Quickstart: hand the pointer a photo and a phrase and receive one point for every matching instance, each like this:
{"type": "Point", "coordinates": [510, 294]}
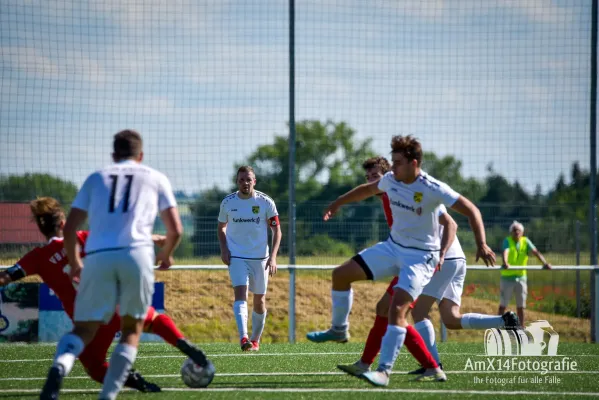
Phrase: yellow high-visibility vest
{"type": "Point", "coordinates": [516, 257]}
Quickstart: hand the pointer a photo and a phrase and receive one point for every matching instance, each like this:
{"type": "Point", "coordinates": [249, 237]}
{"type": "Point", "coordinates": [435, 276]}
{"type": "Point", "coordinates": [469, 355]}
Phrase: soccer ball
{"type": "Point", "coordinates": [195, 376]}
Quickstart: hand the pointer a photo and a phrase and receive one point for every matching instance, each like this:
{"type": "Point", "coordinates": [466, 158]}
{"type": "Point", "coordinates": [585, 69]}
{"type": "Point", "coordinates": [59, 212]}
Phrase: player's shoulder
{"type": "Point", "coordinates": [261, 196]}
{"type": "Point", "coordinates": [431, 183]}
{"type": "Point", "coordinates": [228, 198]}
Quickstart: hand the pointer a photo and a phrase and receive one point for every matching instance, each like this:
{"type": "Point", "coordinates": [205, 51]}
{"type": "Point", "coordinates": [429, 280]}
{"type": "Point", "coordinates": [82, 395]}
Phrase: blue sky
{"type": "Point", "coordinates": [490, 81]}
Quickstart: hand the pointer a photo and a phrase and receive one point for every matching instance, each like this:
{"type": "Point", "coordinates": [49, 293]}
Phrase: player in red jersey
{"type": "Point", "coordinates": [375, 168]}
{"type": "Point", "coordinates": [51, 264]}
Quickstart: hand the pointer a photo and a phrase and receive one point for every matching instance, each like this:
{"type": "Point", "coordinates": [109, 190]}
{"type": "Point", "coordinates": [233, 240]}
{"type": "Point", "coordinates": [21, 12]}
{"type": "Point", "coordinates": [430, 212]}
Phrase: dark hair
{"type": "Point", "coordinates": [47, 214]}
{"type": "Point", "coordinates": [127, 144]}
{"type": "Point", "coordinates": [245, 168]}
{"type": "Point", "coordinates": [408, 146]}
{"type": "Point", "coordinates": [374, 162]}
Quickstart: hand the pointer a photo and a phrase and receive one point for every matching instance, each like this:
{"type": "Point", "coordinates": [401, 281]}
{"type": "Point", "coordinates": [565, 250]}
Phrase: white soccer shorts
{"type": "Point", "coordinates": [123, 278]}
{"type": "Point", "coordinates": [448, 283]}
{"type": "Point", "coordinates": [251, 273]}
{"type": "Point", "coordinates": [385, 259]}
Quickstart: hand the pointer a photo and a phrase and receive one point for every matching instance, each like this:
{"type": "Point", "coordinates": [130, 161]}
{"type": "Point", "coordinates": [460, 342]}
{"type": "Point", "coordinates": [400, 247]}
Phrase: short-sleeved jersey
{"type": "Point", "coordinates": [414, 207]}
{"type": "Point", "coordinates": [247, 224]}
{"type": "Point", "coordinates": [455, 250]}
{"type": "Point", "coordinates": [387, 209]}
{"type": "Point", "coordinates": [122, 202]}
{"type": "Point", "coordinates": [50, 262]}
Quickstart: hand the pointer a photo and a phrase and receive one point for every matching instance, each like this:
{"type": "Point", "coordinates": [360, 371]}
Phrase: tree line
{"type": "Point", "coordinates": [328, 163]}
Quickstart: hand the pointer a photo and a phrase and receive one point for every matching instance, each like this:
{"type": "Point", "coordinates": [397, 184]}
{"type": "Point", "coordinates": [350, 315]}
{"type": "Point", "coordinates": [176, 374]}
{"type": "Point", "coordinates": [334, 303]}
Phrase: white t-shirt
{"type": "Point", "coordinates": [414, 207]}
{"type": "Point", "coordinates": [122, 201]}
{"type": "Point", "coordinates": [455, 250]}
{"type": "Point", "coordinates": [247, 224]}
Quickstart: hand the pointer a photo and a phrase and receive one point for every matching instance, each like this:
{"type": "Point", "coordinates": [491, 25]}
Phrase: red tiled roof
{"type": "Point", "coordinates": [16, 225]}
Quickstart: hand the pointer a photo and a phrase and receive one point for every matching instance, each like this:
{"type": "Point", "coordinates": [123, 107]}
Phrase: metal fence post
{"type": "Point", "coordinates": [577, 233]}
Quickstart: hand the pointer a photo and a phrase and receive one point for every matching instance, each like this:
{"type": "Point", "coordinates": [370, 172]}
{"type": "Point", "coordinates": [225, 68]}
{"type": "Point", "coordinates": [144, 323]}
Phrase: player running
{"type": "Point", "coordinates": [375, 168]}
{"type": "Point", "coordinates": [414, 248]}
{"type": "Point", "coordinates": [242, 233]}
{"type": "Point", "coordinates": [51, 264]}
{"type": "Point", "coordinates": [122, 201]}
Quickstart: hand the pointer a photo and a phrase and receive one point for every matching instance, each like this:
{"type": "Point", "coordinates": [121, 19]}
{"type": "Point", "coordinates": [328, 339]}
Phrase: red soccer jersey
{"type": "Point", "coordinates": [50, 262]}
{"type": "Point", "coordinates": [387, 208]}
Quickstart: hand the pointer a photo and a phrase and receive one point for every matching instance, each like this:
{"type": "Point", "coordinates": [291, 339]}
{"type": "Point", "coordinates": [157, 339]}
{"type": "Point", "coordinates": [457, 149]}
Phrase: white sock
{"type": "Point", "coordinates": [342, 303]}
{"type": "Point", "coordinates": [481, 321]}
{"type": "Point", "coordinates": [68, 349]}
{"type": "Point", "coordinates": [426, 329]}
{"type": "Point", "coordinates": [390, 347]}
{"type": "Point", "coordinates": [121, 361]}
{"type": "Point", "coordinates": [240, 309]}
{"type": "Point", "coordinates": [257, 325]}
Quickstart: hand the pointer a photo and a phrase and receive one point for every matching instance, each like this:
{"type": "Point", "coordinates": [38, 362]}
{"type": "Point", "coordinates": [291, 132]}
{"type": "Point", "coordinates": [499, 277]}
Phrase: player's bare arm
{"type": "Point", "coordinates": [450, 228]}
{"type": "Point", "coordinates": [355, 195]}
{"type": "Point", "coordinates": [174, 232]}
{"type": "Point", "coordinates": [271, 264]}
{"type": "Point", "coordinates": [225, 254]}
{"type": "Point", "coordinates": [4, 278]}
{"type": "Point", "coordinates": [466, 208]}
{"type": "Point", "coordinates": [159, 240]}
{"type": "Point", "coordinates": [75, 219]}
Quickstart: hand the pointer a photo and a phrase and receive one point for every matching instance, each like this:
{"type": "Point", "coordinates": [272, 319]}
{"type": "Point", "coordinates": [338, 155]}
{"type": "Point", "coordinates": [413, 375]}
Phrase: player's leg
{"type": "Point", "coordinates": [89, 316]}
{"type": "Point", "coordinates": [239, 274]}
{"type": "Point", "coordinates": [425, 328]}
{"type": "Point", "coordinates": [135, 274]}
{"type": "Point", "coordinates": [416, 271]}
{"type": "Point", "coordinates": [257, 285]}
{"type": "Point", "coordinates": [163, 326]}
{"type": "Point", "coordinates": [521, 289]}
{"type": "Point", "coordinates": [376, 262]}
{"type": "Point", "coordinates": [94, 362]}
{"type": "Point", "coordinates": [375, 336]}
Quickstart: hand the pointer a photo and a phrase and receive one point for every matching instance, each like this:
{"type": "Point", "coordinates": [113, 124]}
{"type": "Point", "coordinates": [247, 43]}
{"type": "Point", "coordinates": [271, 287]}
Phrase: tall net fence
{"type": "Point", "coordinates": [497, 92]}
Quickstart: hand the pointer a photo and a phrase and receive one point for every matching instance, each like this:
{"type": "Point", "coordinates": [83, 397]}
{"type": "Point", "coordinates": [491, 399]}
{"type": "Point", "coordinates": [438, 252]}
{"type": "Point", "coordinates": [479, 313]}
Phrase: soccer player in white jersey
{"type": "Point", "coordinates": [121, 201]}
{"type": "Point", "coordinates": [412, 250]}
{"type": "Point", "coordinates": [243, 224]}
{"type": "Point", "coordinates": [446, 287]}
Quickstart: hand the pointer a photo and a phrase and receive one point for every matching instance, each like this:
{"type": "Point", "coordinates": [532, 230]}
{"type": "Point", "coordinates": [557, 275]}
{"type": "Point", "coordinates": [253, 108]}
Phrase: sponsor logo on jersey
{"type": "Point", "coordinates": [406, 207]}
{"type": "Point", "coordinates": [255, 209]}
{"type": "Point", "coordinates": [418, 197]}
{"type": "Point", "coordinates": [243, 220]}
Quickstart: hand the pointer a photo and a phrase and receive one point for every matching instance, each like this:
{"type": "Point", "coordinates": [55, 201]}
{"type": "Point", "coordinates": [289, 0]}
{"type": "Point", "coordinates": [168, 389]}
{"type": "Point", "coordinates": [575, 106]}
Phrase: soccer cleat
{"type": "Point", "coordinates": [190, 350]}
{"type": "Point", "coordinates": [510, 320]}
{"type": "Point", "coordinates": [330, 335]}
{"type": "Point", "coordinates": [245, 344]}
{"type": "Point", "coordinates": [255, 345]}
{"type": "Point", "coordinates": [52, 385]}
{"type": "Point", "coordinates": [421, 370]}
{"type": "Point", "coordinates": [137, 382]}
{"type": "Point", "coordinates": [431, 375]}
{"type": "Point", "coordinates": [355, 369]}
{"type": "Point", "coordinates": [376, 378]}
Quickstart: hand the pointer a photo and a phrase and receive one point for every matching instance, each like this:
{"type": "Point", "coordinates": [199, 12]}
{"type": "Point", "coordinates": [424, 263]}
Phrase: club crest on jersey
{"type": "Point", "coordinates": [418, 197]}
{"type": "Point", "coordinates": [255, 209]}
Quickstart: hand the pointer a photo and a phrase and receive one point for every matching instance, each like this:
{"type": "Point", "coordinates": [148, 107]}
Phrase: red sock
{"type": "Point", "coordinates": [415, 345]}
{"type": "Point", "coordinates": [375, 337]}
{"type": "Point", "coordinates": [164, 327]}
{"type": "Point", "coordinates": [97, 371]}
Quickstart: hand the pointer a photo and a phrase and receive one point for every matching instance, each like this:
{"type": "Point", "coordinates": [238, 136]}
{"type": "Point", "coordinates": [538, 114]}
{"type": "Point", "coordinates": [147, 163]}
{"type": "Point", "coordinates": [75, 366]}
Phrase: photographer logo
{"type": "Point", "coordinates": [537, 339]}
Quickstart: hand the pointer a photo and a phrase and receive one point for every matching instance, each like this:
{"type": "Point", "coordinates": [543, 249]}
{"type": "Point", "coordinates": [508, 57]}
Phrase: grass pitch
{"type": "Point", "coordinates": [308, 371]}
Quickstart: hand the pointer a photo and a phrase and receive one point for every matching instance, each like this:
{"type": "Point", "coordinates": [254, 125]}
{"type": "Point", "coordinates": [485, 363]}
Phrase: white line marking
{"type": "Point", "coordinates": [247, 354]}
{"type": "Point", "coordinates": [333, 390]}
{"type": "Point", "coordinates": [326, 373]}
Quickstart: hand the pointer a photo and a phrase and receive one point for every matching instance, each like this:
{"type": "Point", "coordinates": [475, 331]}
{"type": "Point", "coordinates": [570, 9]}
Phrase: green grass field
{"type": "Point", "coordinates": [308, 371]}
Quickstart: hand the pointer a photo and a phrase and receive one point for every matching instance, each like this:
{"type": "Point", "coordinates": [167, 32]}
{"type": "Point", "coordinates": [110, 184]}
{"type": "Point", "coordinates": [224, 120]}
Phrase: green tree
{"type": "Point", "coordinates": [24, 188]}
